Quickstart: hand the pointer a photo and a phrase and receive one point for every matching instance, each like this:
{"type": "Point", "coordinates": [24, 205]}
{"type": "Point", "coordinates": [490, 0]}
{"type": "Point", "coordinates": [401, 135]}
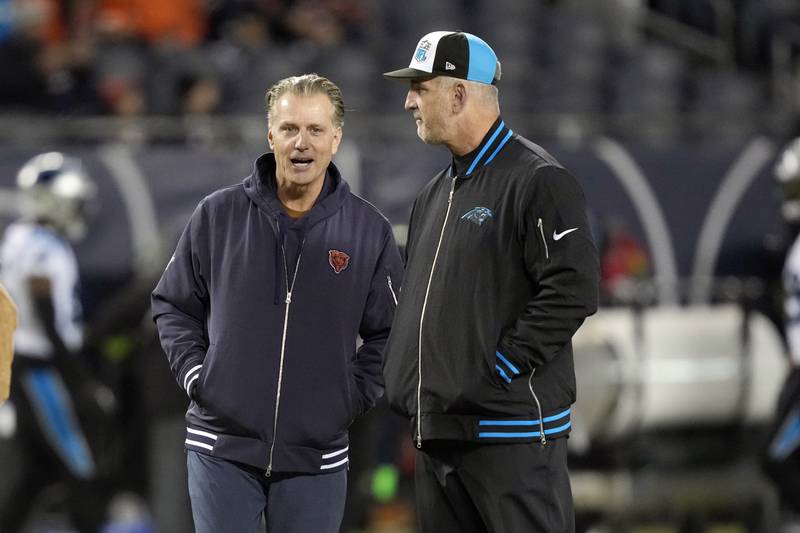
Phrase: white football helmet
{"type": "Point", "coordinates": [56, 190]}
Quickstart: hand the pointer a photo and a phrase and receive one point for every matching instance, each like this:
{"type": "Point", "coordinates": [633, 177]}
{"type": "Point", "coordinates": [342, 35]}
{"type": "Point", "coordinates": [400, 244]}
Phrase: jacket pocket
{"type": "Point", "coordinates": [196, 392]}
{"type": "Point", "coordinates": [355, 401]}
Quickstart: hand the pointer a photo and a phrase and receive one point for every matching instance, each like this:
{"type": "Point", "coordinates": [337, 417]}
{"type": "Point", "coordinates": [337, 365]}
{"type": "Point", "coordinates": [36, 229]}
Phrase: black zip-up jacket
{"type": "Point", "coordinates": [501, 271]}
{"type": "Point", "coordinates": [266, 349]}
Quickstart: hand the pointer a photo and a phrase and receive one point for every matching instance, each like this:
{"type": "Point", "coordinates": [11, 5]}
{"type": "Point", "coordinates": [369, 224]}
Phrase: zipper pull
{"type": "Point", "coordinates": [269, 471]}
{"type": "Point", "coordinates": [452, 191]}
{"type": "Point", "coordinates": [543, 440]}
{"type": "Point", "coordinates": [544, 239]}
{"type": "Point", "coordinates": [391, 289]}
{"type": "Point", "coordinates": [288, 298]}
{"type": "Point", "coordinates": [419, 441]}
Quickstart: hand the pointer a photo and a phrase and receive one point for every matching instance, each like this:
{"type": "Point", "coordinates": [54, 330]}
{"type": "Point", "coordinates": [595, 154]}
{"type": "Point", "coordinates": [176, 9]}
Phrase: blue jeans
{"type": "Point", "coordinates": [232, 497]}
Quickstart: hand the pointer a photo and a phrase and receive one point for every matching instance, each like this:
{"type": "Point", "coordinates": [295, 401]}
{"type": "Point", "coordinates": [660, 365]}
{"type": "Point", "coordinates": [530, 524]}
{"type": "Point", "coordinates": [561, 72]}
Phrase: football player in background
{"type": "Point", "coordinates": [782, 461]}
{"type": "Point", "coordinates": [39, 268]}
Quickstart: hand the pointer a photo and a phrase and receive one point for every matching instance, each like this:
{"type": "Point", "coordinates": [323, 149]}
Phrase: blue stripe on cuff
{"type": "Point", "coordinates": [507, 362]}
{"type": "Point", "coordinates": [509, 435]}
{"type": "Point", "coordinates": [547, 419]}
{"type": "Point", "coordinates": [508, 422]}
{"type": "Point", "coordinates": [502, 373]}
{"type": "Point", "coordinates": [557, 416]}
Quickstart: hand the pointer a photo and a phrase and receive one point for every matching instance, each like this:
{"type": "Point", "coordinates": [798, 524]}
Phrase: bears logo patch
{"type": "Point", "coordinates": [338, 260]}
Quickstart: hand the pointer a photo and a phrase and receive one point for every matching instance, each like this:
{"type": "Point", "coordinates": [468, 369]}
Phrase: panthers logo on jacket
{"type": "Point", "coordinates": [477, 215]}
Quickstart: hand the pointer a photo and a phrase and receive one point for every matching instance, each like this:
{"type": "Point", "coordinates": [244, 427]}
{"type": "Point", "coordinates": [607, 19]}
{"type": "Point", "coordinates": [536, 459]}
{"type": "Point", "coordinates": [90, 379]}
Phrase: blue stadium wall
{"type": "Point", "coordinates": [697, 210]}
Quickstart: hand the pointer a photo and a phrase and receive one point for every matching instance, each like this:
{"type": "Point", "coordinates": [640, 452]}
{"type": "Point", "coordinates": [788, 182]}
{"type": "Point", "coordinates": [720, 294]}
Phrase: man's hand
{"type": "Point", "coordinates": [8, 323]}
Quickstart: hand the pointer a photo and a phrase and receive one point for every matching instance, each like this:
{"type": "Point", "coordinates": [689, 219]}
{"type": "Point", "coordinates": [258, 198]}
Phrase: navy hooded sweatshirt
{"type": "Point", "coordinates": [263, 338]}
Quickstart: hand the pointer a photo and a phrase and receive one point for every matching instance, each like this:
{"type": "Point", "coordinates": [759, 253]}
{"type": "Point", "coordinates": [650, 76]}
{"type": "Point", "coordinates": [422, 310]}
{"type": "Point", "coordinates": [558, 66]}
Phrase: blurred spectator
{"type": "Point", "coordinates": [198, 95]}
{"type": "Point", "coordinates": [247, 58]}
{"type": "Point", "coordinates": [149, 60]}
{"type": "Point", "coordinates": [179, 23]}
{"type": "Point", "coordinates": [44, 55]}
{"type": "Point", "coordinates": [120, 77]}
{"type": "Point", "coordinates": [623, 262]}
{"type": "Point", "coordinates": [325, 23]}
{"type": "Point", "coordinates": [222, 12]}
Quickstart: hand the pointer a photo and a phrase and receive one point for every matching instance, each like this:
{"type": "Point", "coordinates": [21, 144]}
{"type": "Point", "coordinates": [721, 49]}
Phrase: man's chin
{"type": "Point", "coordinates": [426, 137]}
{"type": "Point", "coordinates": [304, 176]}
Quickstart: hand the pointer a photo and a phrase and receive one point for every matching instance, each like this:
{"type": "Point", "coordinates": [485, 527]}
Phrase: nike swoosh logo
{"type": "Point", "coordinates": [557, 236]}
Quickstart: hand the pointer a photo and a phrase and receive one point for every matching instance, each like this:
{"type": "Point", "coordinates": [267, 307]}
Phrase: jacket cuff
{"type": "Point", "coordinates": [505, 367]}
{"type": "Point", "coordinates": [189, 379]}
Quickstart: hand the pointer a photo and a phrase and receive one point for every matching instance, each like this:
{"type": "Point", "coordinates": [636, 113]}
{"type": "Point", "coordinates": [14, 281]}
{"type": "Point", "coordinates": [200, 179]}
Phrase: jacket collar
{"type": "Point", "coordinates": [494, 141]}
{"type": "Point", "coordinates": [260, 188]}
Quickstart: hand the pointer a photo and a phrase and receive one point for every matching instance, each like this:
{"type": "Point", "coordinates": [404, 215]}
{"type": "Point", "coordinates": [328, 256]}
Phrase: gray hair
{"type": "Point", "coordinates": [308, 85]}
{"type": "Point", "coordinates": [485, 94]}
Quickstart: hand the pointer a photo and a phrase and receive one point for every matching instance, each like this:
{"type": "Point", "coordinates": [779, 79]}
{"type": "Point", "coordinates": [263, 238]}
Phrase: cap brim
{"type": "Point", "coordinates": [408, 73]}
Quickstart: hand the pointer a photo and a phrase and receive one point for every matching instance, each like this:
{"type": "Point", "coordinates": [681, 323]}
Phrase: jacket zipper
{"type": "Point", "coordinates": [422, 314]}
{"type": "Point", "coordinates": [542, 437]}
{"type": "Point", "coordinates": [391, 289]}
{"type": "Point", "coordinates": [541, 232]}
{"type": "Point", "coordinates": [289, 289]}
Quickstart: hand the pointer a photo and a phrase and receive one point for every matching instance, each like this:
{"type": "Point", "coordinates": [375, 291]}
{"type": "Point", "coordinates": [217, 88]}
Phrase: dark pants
{"type": "Point", "coordinates": [497, 488]}
{"type": "Point", "coordinates": [229, 497]}
{"type": "Point", "coordinates": [53, 447]}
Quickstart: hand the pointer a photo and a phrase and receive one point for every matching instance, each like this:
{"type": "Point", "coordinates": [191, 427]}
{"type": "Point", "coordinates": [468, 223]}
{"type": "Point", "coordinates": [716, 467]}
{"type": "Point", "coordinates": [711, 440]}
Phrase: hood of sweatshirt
{"type": "Point", "coordinates": [261, 189]}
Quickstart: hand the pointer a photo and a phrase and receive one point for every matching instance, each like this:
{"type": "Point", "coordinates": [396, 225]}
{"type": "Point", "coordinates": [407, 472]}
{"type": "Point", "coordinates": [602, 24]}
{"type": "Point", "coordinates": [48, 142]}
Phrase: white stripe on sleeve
{"type": "Point", "coordinates": [199, 444]}
{"type": "Point", "coordinates": [337, 452]}
{"type": "Point", "coordinates": [333, 465]}
{"type": "Point", "coordinates": [188, 375]}
{"type": "Point", "coordinates": [202, 433]}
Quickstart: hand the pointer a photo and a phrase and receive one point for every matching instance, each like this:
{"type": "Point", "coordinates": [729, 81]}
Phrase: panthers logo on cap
{"type": "Point", "coordinates": [338, 260]}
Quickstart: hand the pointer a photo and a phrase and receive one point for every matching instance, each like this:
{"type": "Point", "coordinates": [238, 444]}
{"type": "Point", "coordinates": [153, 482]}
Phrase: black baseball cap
{"type": "Point", "coordinates": [451, 53]}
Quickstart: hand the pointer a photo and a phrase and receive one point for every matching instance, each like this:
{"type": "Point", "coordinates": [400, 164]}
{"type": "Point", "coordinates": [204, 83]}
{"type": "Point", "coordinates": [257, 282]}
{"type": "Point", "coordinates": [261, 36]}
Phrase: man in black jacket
{"type": "Point", "coordinates": [258, 311]}
{"type": "Point", "coordinates": [501, 271]}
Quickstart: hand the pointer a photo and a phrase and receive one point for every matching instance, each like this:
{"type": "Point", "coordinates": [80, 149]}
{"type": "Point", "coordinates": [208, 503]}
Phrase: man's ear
{"type": "Point", "coordinates": [337, 139]}
{"type": "Point", "coordinates": [269, 138]}
{"type": "Point", "coordinates": [459, 97]}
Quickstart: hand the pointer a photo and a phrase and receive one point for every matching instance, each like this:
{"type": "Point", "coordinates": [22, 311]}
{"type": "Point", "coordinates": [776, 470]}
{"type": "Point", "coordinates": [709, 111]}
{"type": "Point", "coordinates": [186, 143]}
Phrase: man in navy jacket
{"type": "Point", "coordinates": [259, 310]}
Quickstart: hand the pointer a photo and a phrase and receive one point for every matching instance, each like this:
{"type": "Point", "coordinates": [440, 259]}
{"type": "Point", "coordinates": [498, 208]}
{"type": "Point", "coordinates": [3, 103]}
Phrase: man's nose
{"type": "Point", "coordinates": [411, 102]}
{"type": "Point", "coordinates": [300, 142]}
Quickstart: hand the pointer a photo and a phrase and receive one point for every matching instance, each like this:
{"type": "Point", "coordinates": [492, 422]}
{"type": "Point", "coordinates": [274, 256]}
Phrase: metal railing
{"type": "Point", "coordinates": [249, 130]}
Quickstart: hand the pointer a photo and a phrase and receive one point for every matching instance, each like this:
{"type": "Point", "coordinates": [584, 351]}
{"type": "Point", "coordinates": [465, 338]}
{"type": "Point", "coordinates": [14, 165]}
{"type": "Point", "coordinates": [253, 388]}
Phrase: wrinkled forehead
{"type": "Point", "coordinates": [314, 108]}
{"type": "Point", "coordinates": [430, 83]}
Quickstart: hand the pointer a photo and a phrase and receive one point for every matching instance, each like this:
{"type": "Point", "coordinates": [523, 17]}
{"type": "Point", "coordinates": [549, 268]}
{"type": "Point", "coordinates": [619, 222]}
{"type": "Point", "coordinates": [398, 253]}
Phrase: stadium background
{"type": "Point", "coordinates": [670, 113]}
